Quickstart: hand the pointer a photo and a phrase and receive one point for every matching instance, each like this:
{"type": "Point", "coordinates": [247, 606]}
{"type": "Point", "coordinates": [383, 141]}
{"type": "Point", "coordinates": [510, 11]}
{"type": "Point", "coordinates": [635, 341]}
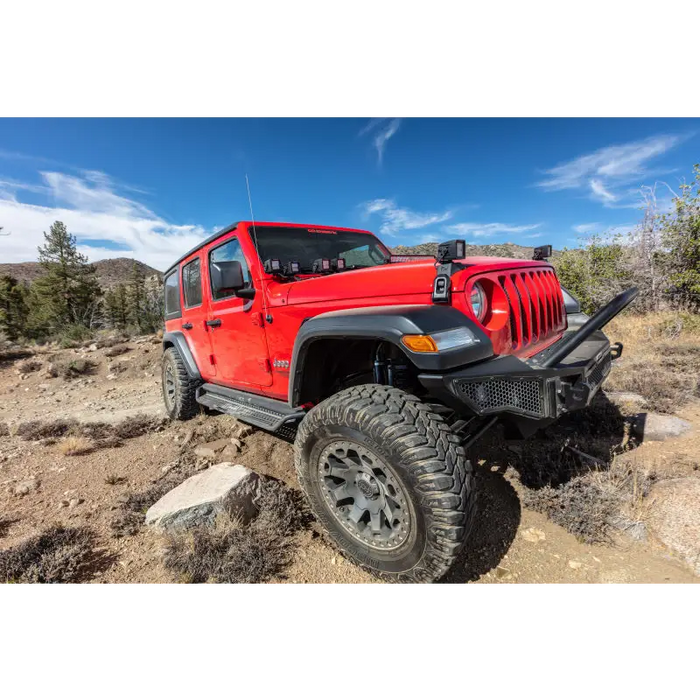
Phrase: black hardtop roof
{"type": "Point", "coordinates": [211, 239]}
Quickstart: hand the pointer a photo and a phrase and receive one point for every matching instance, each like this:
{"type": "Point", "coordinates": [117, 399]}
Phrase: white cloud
{"type": "Point", "coordinates": [92, 209]}
{"type": "Point", "coordinates": [600, 193]}
{"type": "Point", "coordinates": [383, 130]}
{"type": "Point", "coordinates": [598, 173]}
{"type": "Point", "coordinates": [487, 230]}
{"type": "Point", "coordinates": [586, 228]}
{"type": "Point", "coordinates": [534, 235]}
{"type": "Point", "coordinates": [395, 219]}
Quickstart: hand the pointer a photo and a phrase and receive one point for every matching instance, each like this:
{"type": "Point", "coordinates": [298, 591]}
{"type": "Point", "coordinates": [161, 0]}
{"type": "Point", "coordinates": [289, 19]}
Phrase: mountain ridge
{"type": "Point", "coordinates": [110, 272]}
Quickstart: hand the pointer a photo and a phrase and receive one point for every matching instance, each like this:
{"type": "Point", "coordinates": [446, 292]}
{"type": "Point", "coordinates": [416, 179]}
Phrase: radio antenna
{"type": "Point", "coordinates": [268, 318]}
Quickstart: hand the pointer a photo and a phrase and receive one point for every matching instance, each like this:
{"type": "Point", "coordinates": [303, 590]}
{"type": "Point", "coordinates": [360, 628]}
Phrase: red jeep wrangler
{"type": "Point", "coordinates": [382, 368]}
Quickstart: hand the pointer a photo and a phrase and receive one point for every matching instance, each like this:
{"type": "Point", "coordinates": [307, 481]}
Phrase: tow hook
{"type": "Point", "coordinates": [616, 350]}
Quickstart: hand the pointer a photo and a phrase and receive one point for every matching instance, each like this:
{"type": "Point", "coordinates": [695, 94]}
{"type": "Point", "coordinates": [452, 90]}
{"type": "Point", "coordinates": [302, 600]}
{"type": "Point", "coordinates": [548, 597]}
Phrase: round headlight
{"type": "Point", "coordinates": [478, 301]}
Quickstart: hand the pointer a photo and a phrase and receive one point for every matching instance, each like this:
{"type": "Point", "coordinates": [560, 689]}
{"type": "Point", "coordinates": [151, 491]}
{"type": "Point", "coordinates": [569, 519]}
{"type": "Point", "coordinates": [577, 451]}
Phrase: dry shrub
{"type": "Point", "coordinates": [57, 555]}
{"type": "Point", "coordinates": [102, 435]}
{"type": "Point", "coordinates": [595, 504]}
{"type": "Point", "coordinates": [41, 430]}
{"type": "Point", "coordinates": [31, 364]}
{"type": "Point", "coordinates": [74, 445]}
{"type": "Point", "coordinates": [138, 425]}
{"type": "Point", "coordinates": [69, 369]}
{"type": "Point", "coordinates": [115, 350]}
{"type": "Point", "coordinates": [114, 480]}
{"type": "Point", "coordinates": [230, 552]}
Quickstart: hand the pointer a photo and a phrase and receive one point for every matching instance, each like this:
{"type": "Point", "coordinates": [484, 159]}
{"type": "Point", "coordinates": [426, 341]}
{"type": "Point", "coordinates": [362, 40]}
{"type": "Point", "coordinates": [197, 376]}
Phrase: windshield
{"type": "Point", "coordinates": [307, 244]}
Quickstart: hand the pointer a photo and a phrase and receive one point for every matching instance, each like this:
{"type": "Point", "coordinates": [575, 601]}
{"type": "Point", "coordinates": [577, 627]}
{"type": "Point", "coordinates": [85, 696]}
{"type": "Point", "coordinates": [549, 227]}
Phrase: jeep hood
{"type": "Point", "coordinates": [410, 279]}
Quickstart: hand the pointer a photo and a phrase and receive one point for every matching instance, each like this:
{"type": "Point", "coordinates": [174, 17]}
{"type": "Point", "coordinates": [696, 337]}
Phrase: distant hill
{"type": "Point", "coordinates": [498, 250]}
{"type": "Point", "coordinates": [110, 272]}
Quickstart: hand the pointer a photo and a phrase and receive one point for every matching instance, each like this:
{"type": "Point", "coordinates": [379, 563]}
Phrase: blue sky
{"type": "Point", "coordinates": [151, 188]}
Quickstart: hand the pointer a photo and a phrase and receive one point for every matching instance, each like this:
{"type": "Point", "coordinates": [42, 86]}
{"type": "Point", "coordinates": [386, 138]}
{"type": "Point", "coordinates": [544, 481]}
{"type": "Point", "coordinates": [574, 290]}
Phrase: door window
{"type": "Point", "coordinates": [172, 295]}
{"type": "Point", "coordinates": [229, 251]}
{"type": "Point", "coordinates": [192, 283]}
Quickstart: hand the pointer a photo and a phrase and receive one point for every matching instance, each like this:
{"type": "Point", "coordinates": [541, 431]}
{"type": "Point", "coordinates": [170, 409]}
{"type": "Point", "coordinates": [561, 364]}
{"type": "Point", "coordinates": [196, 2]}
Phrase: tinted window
{"type": "Point", "coordinates": [231, 250]}
{"type": "Point", "coordinates": [172, 293]}
{"type": "Point", "coordinates": [192, 283]}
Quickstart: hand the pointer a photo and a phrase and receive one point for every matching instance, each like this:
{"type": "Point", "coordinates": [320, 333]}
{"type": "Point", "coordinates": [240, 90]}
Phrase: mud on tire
{"type": "Point", "coordinates": [179, 389]}
{"type": "Point", "coordinates": [427, 465]}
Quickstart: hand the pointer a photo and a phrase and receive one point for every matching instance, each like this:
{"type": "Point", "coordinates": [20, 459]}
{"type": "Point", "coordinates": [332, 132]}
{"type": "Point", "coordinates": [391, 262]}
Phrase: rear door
{"type": "Point", "coordinates": [195, 313]}
{"type": "Point", "coordinates": [236, 327]}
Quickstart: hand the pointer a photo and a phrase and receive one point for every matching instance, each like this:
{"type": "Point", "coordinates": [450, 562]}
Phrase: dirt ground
{"type": "Point", "coordinates": [510, 543]}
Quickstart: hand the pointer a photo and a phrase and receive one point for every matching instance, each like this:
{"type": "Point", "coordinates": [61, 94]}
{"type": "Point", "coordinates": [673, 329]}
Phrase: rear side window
{"type": "Point", "coordinates": [192, 283]}
{"type": "Point", "coordinates": [172, 295]}
{"type": "Point", "coordinates": [231, 250]}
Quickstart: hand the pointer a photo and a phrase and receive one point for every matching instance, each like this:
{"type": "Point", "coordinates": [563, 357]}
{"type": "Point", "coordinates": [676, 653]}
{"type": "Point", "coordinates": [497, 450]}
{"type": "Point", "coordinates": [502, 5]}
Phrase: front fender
{"type": "Point", "coordinates": [390, 324]}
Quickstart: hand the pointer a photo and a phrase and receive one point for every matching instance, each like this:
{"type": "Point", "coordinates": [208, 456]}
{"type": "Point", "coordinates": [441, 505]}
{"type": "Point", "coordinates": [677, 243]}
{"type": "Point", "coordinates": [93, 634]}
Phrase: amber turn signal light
{"type": "Point", "coordinates": [419, 343]}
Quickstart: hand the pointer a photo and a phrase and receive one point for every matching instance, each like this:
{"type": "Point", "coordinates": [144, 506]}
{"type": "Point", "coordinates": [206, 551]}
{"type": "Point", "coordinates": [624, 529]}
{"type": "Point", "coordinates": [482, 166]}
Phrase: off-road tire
{"type": "Point", "coordinates": [425, 455]}
{"type": "Point", "coordinates": [183, 404]}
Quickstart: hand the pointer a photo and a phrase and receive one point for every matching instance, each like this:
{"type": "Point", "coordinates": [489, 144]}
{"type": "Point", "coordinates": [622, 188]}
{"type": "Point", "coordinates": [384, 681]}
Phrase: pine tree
{"type": "Point", "coordinates": [13, 307]}
{"type": "Point", "coordinates": [68, 292]}
{"type": "Point", "coordinates": [137, 299]}
{"type": "Point", "coordinates": [116, 305]}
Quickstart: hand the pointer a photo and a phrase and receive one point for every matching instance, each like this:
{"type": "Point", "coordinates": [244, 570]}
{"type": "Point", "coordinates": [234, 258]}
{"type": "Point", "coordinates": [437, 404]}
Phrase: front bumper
{"type": "Point", "coordinates": [564, 377]}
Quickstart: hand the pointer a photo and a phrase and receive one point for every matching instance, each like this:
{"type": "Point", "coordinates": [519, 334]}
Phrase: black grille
{"type": "Point", "coordinates": [599, 372]}
{"type": "Point", "coordinates": [524, 396]}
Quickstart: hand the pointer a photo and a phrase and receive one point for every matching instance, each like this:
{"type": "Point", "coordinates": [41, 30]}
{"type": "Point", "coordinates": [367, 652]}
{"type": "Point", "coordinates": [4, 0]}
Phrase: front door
{"type": "Point", "coordinates": [237, 329]}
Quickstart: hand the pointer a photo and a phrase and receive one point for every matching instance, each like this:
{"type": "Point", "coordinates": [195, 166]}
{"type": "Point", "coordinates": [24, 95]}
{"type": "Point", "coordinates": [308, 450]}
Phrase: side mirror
{"type": "Point", "coordinates": [227, 276]}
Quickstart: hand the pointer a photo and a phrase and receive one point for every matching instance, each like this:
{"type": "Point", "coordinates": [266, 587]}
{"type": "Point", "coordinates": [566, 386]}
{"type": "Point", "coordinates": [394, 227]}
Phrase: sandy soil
{"type": "Point", "coordinates": [510, 543]}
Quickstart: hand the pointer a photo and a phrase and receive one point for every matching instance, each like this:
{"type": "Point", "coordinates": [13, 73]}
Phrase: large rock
{"type": "Point", "coordinates": [675, 517]}
{"type": "Point", "coordinates": [223, 487]}
{"type": "Point", "coordinates": [654, 426]}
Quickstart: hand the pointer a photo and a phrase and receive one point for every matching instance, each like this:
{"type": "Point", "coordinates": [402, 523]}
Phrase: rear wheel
{"type": "Point", "coordinates": [387, 480]}
{"type": "Point", "coordinates": [179, 389]}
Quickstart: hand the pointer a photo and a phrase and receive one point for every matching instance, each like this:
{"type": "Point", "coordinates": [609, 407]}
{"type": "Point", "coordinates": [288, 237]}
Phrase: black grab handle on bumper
{"type": "Point", "coordinates": [595, 323]}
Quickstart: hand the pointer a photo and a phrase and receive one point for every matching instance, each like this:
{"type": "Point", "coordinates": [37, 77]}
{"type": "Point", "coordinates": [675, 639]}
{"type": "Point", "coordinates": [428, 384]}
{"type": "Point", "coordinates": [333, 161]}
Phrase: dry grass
{"type": "Point", "coordinates": [230, 552]}
{"type": "Point", "coordinates": [101, 435]}
{"type": "Point", "coordinates": [70, 369]}
{"type": "Point", "coordinates": [595, 504]}
{"type": "Point", "coordinates": [57, 555]}
{"type": "Point", "coordinates": [74, 445]}
{"type": "Point", "coordinates": [661, 360]}
{"type": "Point", "coordinates": [31, 364]}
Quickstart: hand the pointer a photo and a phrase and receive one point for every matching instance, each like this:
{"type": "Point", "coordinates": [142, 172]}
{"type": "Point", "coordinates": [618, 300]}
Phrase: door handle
{"type": "Point", "coordinates": [214, 323]}
{"type": "Point", "coordinates": [187, 326]}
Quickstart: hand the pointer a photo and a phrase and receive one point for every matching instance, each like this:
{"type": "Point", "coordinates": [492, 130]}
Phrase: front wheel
{"type": "Point", "coordinates": [387, 480]}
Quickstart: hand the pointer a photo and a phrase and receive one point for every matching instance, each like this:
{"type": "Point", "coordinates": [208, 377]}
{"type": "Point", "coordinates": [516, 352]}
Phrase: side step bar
{"type": "Point", "coordinates": [268, 414]}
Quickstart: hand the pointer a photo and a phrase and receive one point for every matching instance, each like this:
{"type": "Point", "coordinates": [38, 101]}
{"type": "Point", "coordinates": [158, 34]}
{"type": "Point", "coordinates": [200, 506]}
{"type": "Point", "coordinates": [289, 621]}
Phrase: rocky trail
{"type": "Point", "coordinates": [44, 481]}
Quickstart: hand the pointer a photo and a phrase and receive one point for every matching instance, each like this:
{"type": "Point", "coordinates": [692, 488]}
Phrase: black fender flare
{"type": "Point", "coordinates": [177, 340]}
{"type": "Point", "coordinates": [390, 324]}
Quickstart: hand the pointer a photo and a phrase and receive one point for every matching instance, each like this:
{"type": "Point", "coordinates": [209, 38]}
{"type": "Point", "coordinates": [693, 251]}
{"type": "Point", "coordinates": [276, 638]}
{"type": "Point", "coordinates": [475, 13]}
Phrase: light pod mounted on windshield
{"type": "Point", "coordinates": [338, 264]}
{"type": "Point", "coordinates": [272, 266]}
{"type": "Point", "coordinates": [292, 268]}
{"type": "Point", "coordinates": [447, 253]}
{"type": "Point", "coordinates": [321, 265]}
